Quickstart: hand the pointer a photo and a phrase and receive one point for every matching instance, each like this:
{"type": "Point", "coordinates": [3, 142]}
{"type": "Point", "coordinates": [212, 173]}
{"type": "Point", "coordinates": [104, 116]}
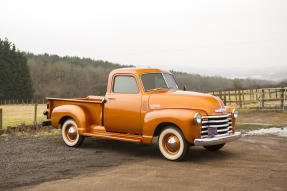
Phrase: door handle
{"type": "Point", "coordinates": [111, 98]}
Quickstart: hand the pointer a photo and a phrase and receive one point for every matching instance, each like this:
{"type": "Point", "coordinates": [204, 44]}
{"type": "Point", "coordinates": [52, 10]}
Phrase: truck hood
{"type": "Point", "coordinates": [177, 99]}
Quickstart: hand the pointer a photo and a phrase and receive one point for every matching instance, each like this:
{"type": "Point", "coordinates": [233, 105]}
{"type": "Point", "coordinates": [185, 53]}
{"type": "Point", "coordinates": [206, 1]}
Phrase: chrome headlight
{"type": "Point", "coordinates": [235, 113]}
{"type": "Point", "coordinates": [197, 118]}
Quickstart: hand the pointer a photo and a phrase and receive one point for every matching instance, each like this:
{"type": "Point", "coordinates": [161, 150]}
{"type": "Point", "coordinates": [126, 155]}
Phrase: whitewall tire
{"type": "Point", "coordinates": [70, 133]}
{"type": "Point", "coordinates": [172, 144]}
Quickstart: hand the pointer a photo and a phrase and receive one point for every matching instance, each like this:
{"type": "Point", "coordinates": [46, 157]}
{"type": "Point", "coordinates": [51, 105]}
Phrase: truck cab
{"type": "Point", "coordinates": [141, 104]}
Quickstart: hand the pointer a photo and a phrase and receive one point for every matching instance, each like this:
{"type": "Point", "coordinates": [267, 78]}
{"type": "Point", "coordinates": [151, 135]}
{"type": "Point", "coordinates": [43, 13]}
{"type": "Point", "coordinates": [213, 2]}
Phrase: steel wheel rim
{"type": "Point", "coordinates": [171, 144]}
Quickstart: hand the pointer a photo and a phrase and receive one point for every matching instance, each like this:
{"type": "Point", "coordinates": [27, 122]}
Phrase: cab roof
{"type": "Point", "coordinates": [137, 70]}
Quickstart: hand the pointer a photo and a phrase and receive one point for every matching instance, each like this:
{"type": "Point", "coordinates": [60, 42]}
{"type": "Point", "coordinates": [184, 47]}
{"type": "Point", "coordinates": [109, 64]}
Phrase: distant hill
{"type": "Point", "coordinates": [57, 76]}
{"type": "Point", "coordinates": [201, 83]}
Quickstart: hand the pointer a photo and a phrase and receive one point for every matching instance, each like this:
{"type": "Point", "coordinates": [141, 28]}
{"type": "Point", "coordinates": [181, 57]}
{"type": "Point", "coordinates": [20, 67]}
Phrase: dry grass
{"type": "Point", "coordinates": [48, 133]}
{"type": "Point", "coordinates": [14, 115]}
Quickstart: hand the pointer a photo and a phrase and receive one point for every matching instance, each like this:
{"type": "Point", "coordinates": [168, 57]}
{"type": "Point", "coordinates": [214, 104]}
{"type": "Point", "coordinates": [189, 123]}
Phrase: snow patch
{"type": "Point", "coordinates": [281, 132]}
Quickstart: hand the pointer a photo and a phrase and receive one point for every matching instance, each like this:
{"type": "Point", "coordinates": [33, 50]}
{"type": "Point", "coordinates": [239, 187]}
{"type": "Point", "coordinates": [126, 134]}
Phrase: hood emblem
{"type": "Point", "coordinates": [220, 110]}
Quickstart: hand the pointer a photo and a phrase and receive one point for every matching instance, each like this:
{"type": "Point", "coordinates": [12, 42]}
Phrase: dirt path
{"type": "Point", "coordinates": [252, 163]}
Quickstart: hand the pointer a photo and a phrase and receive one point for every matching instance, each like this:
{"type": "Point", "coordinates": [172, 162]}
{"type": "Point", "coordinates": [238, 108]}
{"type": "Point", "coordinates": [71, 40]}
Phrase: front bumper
{"type": "Point", "coordinates": [217, 140]}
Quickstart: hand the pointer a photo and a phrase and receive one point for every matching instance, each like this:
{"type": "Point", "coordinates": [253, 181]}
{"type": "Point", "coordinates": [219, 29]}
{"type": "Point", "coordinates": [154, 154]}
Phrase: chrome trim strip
{"type": "Point", "coordinates": [219, 130]}
{"type": "Point", "coordinates": [222, 130]}
{"type": "Point", "coordinates": [206, 127]}
{"type": "Point", "coordinates": [217, 140]}
{"type": "Point", "coordinates": [216, 121]}
{"type": "Point", "coordinates": [224, 125]}
{"type": "Point", "coordinates": [229, 128]}
{"type": "Point", "coordinates": [215, 116]}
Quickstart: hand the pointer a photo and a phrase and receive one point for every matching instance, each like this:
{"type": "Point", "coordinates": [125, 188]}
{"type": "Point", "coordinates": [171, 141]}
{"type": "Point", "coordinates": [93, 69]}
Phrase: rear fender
{"type": "Point", "coordinates": [72, 111]}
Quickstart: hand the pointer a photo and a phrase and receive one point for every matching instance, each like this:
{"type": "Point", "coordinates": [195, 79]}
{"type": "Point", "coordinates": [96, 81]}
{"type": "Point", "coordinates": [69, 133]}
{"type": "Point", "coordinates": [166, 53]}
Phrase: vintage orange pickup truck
{"type": "Point", "coordinates": [141, 104]}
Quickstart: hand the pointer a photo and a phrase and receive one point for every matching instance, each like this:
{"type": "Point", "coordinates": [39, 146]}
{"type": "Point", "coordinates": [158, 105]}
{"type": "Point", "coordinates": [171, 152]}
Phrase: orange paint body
{"type": "Point", "coordinates": [136, 117]}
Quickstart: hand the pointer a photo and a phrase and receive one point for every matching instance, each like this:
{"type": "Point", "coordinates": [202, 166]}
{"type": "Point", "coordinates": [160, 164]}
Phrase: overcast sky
{"type": "Point", "coordinates": [214, 37]}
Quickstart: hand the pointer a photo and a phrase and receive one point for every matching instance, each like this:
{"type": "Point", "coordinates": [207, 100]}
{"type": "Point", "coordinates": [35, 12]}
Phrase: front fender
{"type": "Point", "coordinates": [73, 111]}
{"type": "Point", "coordinates": [182, 118]}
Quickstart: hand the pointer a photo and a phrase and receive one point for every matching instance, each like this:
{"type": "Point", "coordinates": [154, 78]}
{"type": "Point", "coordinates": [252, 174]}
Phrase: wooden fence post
{"type": "Point", "coordinates": [35, 114]}
{"type": "Point", "coordinates": [235, 94]}
{"type": "Point", "coordinates": [240, 101]}
{"type": "Point", "coordinates": [282, 98]}
{"type": "Point", "coordinates": [276, 94]}
{"type": "Point", "coordinates": [262, 98]}
{"type": "Point", "coordinates": [1, 123]}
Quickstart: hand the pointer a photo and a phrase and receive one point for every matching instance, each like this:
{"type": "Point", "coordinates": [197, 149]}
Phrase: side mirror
{"type": "Point", "coordinates": [184, 87]}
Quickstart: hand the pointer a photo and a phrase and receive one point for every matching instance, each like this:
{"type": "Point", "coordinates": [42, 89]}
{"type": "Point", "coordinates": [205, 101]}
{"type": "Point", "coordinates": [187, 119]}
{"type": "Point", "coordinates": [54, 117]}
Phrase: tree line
{"type": "Point", "coordinates": [78, 77]}
{"type": "Point", "coordinates": [15, 80]}
{"type": "Point", "coordinates": [196, 82]}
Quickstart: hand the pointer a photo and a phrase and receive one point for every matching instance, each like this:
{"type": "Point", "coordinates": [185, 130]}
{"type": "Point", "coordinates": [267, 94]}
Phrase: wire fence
{"type": "Point", "coordinates": [18, 114]}
{"type": "Point", "coordinates": [23, 101]}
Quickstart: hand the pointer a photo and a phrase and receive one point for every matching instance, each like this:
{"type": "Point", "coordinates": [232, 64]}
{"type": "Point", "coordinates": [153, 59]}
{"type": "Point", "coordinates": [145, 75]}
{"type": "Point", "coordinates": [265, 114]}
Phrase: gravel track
{"type": "Point", "coordinates": [26, 160]}
{"type": "Point", "coordinates": [45, 163]}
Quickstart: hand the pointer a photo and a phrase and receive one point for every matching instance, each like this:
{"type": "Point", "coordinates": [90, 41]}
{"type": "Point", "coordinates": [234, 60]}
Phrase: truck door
{"type": "Point", "coordinates": [123, 106]}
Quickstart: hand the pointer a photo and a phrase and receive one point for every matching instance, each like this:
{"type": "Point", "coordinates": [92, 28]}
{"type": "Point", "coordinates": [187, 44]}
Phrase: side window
{"type": "Point", "coordinates": [125, 84]}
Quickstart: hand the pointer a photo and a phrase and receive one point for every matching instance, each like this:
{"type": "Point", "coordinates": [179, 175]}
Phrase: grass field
{"type": "Point", "coordinates": [14, 115]}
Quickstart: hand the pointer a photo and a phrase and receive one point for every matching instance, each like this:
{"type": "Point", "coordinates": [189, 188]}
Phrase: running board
{"type": "Point", "coordinates": [115, 136]}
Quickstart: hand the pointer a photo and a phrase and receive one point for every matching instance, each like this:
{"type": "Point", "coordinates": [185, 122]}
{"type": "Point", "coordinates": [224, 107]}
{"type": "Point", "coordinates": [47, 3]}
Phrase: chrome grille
{"type": "Point", "coordinates": [222, 123]}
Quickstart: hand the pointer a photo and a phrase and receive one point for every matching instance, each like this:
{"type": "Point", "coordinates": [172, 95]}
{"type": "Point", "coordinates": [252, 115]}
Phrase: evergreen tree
{"type": "Point", "coordinates": [15, 80]}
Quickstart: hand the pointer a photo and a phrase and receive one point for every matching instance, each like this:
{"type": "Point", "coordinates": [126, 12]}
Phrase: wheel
{"type": "Point", "coordinates": [214, 147]}
{"type": "Point", "coordinates": [70, 133]}
{"type": "Point", "coordinates": [172, 144]}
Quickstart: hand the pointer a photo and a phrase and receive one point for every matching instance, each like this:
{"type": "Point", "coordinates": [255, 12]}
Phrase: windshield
{"type": "Point", "coordinates": [158, 80]}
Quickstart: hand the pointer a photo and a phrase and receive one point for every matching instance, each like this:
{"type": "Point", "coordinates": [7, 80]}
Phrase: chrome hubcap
{"type": "Point", "coordinates": [72, 133]}
{"type": "Point", "coordinates": [172, 145]}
